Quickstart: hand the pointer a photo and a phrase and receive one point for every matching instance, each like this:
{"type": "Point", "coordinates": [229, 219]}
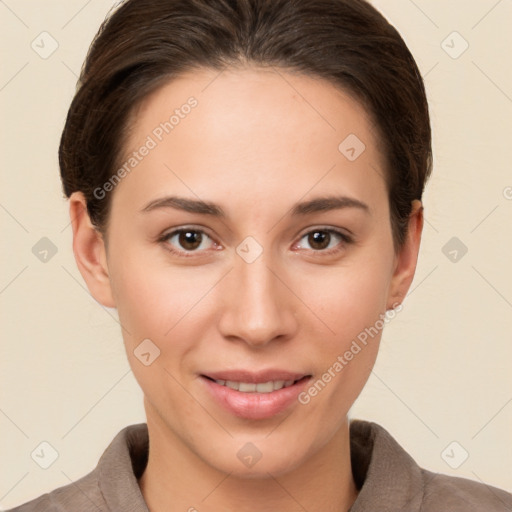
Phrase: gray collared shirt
{"type": "Point", "coordinates": [387, 477]}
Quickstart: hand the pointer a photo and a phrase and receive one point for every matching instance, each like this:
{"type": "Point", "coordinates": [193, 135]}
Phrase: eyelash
{"type": "Point", "coordinates": [345, 239]}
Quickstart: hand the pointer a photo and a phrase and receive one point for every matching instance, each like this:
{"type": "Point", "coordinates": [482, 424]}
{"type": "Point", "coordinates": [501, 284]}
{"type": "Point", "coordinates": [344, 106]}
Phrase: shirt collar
{"type": "Point", "coordinates": [387, 477]}
{"type": "Point", "coordinates": [121, 465]}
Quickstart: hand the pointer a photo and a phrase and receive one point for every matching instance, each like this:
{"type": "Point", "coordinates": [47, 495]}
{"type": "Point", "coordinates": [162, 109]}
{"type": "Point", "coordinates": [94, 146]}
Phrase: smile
{"type": "Point", "coordinates": [261, 387]}
{"type": "Point", "coordinates": [255, 396]}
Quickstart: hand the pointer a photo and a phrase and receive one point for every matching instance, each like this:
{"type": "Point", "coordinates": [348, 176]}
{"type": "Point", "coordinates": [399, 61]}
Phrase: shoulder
{"type": "Point", "coordinates": [82, 495]}
{"type": "Point", "coordinates": [443, 492]}
{"type": "Point", "coordinates": [389, 479]}
{"type": "Point", "coordinates": [112, 485]}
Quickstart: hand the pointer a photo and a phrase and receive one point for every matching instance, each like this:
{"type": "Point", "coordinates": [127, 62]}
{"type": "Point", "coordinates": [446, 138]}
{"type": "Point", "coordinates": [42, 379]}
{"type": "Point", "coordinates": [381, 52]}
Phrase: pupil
{"type": "Point", "coordinates": [319, 239]}
{"type": "Point", "coordinates": [190, 239]}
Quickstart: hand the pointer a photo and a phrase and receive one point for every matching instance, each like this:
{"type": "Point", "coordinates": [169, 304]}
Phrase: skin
{"type": "Point", "coordinates": [258, 142]}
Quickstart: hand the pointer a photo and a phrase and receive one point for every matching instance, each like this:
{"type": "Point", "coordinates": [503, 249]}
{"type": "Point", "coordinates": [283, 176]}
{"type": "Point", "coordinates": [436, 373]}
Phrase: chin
{"type": "Point", "coordinates": [250, 463]}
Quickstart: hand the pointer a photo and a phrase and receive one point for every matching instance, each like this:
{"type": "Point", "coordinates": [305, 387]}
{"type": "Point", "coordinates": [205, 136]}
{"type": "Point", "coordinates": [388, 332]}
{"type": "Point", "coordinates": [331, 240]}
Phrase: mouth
{"type": "Point", "coordinates": [257, 387]}
{"type": "Point", "coordinates": [255, 396]}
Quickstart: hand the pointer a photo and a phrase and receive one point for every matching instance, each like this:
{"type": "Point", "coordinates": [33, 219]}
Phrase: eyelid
{"type": "Point", "coordinates": [344, 233]}
{"type": "Point", "coordinates": [184, 227]}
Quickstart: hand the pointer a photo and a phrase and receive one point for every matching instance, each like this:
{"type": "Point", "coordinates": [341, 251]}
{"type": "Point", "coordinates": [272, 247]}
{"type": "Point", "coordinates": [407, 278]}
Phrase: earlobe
{"type": "Point", "coordinates": [407, 257]}
{"type": "Point", "coordinates": [90, 252]}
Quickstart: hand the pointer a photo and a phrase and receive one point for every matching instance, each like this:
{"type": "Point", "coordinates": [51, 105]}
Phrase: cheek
{"type": "Point", "coordinates": [151, 295]}
{"type": "Point", "coordinates": [158, 303]}
{"type": "Point", "coordinates": [145, 302]}
{"type": "Point", "coordinates": [349, 298]}
{"type": "Point", "coordinates": [351, 304]}
{"type": "Point", "coordinates": [169, 305]}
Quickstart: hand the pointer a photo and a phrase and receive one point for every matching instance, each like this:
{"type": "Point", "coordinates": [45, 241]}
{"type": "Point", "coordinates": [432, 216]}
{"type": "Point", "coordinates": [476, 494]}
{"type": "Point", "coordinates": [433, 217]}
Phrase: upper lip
{"type": "Point", "coordinates": [255, 377]}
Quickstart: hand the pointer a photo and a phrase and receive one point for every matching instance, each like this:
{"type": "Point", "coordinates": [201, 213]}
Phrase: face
{"type": "Point", "coordinates": [250, 250]}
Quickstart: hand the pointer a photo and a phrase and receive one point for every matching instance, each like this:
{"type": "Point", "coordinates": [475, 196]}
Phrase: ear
{"type": "Point", "coordinates": [90, 252]}
{"type": "Point", "coordinates": [407, 257]}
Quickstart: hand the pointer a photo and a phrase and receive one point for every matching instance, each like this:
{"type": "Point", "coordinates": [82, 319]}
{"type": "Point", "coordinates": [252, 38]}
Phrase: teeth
{"type": "Point", "coordinates": [246, 387]}
{"type": "Point", "coordinates": [251, 387]}
{"type": "Point", "coordinates": [278, 384]}
{"type": "Point", "coordinates": [267, 387]}
{"type": "Point", "coordinates": [231, 384]}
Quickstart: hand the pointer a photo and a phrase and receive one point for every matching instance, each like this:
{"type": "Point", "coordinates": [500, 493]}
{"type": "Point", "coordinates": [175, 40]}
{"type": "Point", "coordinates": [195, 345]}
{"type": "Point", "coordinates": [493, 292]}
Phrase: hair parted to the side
{"type": "Point", "coordinates": [146, 43]}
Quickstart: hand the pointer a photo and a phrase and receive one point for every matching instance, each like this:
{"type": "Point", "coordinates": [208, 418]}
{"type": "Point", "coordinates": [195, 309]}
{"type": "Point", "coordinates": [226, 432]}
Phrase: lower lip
{"type": "Point", "coordinates": [255, 406]}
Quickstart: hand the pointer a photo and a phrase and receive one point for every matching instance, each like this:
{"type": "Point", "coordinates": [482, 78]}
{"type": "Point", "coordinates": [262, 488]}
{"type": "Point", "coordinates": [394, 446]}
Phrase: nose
{"type": "Point", "coordinates": [256, 306]}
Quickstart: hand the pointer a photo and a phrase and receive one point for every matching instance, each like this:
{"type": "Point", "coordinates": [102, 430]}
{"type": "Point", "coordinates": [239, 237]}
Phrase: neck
{"type": "Point", "coordinates": [323, 482]}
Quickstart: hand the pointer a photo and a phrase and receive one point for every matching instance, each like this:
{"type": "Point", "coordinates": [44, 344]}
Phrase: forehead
{"type": "Point", "coordinates": [257, 101]}
{"type": "Point", "coordinates": [251, 129]}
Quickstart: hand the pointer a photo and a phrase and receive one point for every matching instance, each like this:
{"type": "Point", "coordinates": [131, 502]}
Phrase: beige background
{"type": "Point", "coordinates": [444, 372]}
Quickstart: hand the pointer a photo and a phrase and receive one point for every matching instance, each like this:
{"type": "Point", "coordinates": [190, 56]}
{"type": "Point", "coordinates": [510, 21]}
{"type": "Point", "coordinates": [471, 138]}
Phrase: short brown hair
{"type": "Point", "coordinates": [145, 43]}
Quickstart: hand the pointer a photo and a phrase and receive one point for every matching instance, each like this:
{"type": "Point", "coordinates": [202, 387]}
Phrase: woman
{"type": "Point", "coordinates": [245, 181]}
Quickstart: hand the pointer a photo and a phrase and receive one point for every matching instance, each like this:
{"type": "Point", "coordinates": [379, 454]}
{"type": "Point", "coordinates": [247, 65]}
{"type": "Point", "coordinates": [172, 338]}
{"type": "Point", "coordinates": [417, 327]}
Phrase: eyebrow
{"type": "Point", "coordinates": [199, 206]}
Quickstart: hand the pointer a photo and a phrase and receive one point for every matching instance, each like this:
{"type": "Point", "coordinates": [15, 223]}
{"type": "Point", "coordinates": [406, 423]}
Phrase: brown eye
{"type": "Point", "coordinates": [324, 240]}
{"type": "Point", "coordinates": [319, 240]}
{"type": "Point", "coordinates": [187, 240]}
{"type": "Point", "coordinates": [190, 240]}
